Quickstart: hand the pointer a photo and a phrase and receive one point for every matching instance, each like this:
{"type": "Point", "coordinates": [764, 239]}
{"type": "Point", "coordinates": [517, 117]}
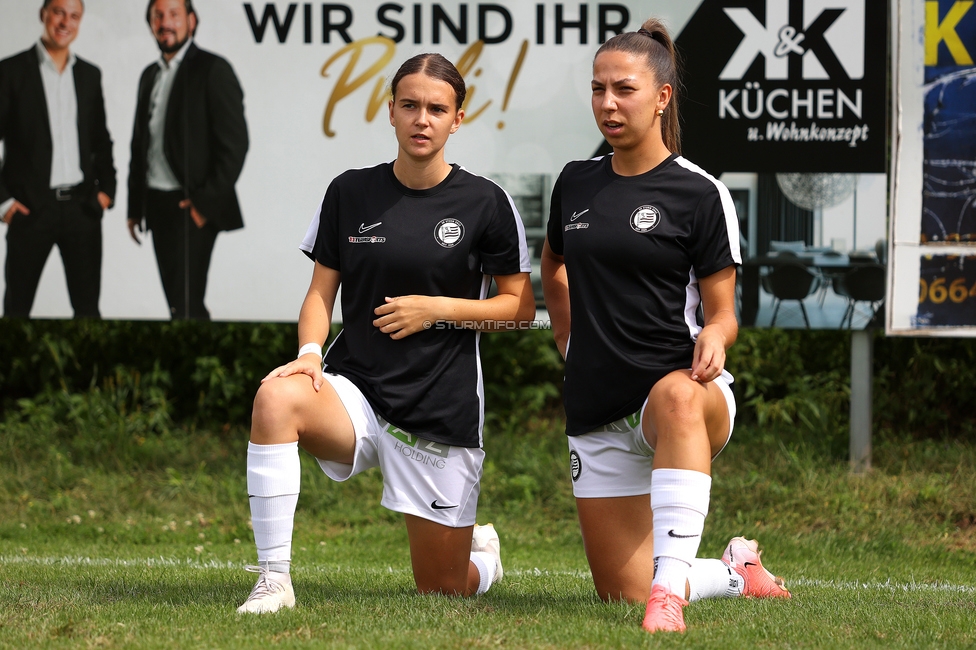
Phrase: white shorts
{"type": "Point", "coordinates": [428, 479]}
{"type": "Point", "coordinates": [615, 459]}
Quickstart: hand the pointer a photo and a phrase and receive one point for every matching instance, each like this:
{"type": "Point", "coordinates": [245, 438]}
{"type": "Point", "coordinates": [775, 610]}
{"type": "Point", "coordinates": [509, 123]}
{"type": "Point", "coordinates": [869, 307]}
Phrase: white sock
{"type": "Point", "coordinates": [273, 483]}
{"type": "Point", "coordinates": [710, 578]}
{"type": "Point", "coordinates": [485, 563]}
{"type": "Point", "coordinates": [679, 501]}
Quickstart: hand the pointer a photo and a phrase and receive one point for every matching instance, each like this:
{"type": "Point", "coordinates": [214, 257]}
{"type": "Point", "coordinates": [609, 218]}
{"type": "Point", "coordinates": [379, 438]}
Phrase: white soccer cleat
{"type": "Point", "coordinates": [484, 539]}
{"type": "Point", "coordinates": [271, 592]}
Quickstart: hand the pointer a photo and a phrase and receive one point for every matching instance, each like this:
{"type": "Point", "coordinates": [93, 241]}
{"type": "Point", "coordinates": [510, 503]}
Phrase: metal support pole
{"type": "Point", "coordinates": [862, 353]}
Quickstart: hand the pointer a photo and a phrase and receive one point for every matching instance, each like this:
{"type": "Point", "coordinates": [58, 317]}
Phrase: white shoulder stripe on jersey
{"type": "Point", "coordinates": [692, 300]}
{"type": "Point", "coordinates": [524, 265]}
{"type": "Point", "coordinates": [308, 242]}
{"type": "Point", "coordinates": [728, 207]}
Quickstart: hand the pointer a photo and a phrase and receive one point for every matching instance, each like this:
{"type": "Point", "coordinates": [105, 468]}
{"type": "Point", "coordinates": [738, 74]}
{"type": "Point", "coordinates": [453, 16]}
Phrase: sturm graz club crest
{"type": "Point", "coordinates": [575, 465]}
{"type": "Point", "coordinates": [449, 232]}
{"type": "Point", "coordinates": [645, 218]}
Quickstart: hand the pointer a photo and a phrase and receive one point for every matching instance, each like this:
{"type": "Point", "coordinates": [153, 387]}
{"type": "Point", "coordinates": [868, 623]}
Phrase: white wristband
{"type": "Point", "coordinates": [310, 347]}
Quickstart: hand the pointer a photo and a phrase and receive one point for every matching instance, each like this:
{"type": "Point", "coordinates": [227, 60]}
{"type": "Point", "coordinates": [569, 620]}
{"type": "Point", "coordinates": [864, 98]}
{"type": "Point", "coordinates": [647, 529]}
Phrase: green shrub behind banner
{"type": "Point", "coordinates": [210, 371]}
{"type": "Point", "coordinates": [207, 373]}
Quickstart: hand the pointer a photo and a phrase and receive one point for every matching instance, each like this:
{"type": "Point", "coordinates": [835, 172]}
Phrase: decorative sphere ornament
{"type": "Point", "coordinates": [816, 191]}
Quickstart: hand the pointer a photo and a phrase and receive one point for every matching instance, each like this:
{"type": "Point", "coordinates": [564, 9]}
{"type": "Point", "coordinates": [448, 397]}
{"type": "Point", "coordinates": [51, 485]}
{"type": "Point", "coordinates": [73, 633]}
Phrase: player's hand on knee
{"type": "Point", "coordinates": [308, 364]}
{"type": "Point", "coordinates": [405, 315]}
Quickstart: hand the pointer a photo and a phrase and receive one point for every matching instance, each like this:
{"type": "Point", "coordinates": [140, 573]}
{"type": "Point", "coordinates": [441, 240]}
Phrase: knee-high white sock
{"type": "Point", "coordinates": [679, 500]}
{"type": "Point", "coordinates": [273, 482]}
{"type": "Point", "coordinates": [485, 563]}
{"type": "Point", "coordinates": [708, 578]}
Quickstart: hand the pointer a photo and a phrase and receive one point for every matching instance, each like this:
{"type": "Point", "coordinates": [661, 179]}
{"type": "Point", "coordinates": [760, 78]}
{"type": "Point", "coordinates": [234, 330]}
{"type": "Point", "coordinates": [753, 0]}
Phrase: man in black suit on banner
{"type": "Point", "coordinates": [58, 175]}
{"type": "Point", "coordinates": [188, 148]}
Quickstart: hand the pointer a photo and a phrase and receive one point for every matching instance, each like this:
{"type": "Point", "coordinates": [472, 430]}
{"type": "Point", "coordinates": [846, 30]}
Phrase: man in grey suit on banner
{"type": "Point", "coordinates": [188, 147]}
{"type": "Point", "coordinates": [58, 175]}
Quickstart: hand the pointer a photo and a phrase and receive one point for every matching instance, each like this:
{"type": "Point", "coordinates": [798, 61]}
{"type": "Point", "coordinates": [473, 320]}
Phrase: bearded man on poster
{"type": "Point", "coordinates": [188, 147]}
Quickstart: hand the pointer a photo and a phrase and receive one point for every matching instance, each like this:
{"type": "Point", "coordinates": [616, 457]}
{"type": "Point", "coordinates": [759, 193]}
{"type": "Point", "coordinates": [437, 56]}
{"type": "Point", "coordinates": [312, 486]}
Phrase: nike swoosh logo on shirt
{"type": "Point", "coordinates": [577, 215]}
{"type": "Point", "coordinates": [363, 227]}
{"type": "Point", "coordinates": [437, 506]}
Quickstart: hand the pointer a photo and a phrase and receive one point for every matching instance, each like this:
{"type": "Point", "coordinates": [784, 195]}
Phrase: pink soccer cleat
{"type": "Point", "coordinates": [743, 556]}
{"type": "Point", "coordinates": [664, 611]}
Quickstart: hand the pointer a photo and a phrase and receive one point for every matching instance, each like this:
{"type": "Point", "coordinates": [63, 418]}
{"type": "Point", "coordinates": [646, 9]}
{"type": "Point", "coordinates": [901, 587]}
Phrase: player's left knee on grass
{"type": "Point", "coordinates": [447, 583]}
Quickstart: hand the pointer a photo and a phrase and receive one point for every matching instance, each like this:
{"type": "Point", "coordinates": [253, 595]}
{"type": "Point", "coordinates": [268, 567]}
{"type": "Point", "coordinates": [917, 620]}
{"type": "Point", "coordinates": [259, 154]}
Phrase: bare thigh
{"type": "Point", "coordinates": [441, 557]}
{"type": "Point", "coordinates": [618, 536]}
{"type": "Point", "coordinates": [288, 409]}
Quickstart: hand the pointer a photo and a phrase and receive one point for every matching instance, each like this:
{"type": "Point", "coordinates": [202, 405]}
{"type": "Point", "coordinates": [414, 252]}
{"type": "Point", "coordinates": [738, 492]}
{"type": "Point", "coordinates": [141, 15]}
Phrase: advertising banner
{"type": "Point", "coordinates": [776, 90]}
{"type": "Point", "coordinates": [933, 288]}
{"type": "Point", "coordinates": [779, 86]}
{"type": "Point", "coordinates": [315, 79]}
{"type": "Point", "coordinates": [787, 100]}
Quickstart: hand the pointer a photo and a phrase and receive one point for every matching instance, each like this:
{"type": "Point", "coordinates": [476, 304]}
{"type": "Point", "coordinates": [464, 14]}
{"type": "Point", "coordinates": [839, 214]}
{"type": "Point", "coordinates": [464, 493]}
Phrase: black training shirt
{"type": "Point", "coordinates": [388, 240]}
{"type": "Point", "coordinates": [634, 248]}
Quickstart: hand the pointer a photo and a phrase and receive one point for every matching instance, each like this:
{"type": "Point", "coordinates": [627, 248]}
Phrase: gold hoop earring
{"type": "Point", "coordinates": [660, 112]}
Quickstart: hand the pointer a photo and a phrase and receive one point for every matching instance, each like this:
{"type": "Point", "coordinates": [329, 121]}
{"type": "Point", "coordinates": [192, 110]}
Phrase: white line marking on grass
{"type": "Point", "coordinates": [887, 585]}
{"type": "Point", "coordinates": [107, 561]}
{"type": "Point", "coordinates": [196, 563]}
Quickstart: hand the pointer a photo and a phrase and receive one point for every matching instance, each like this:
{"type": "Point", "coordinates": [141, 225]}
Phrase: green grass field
{"type": "Point", "coordinates": [137, 538]}
{"type": "Point", "coordinates": [356, 591]}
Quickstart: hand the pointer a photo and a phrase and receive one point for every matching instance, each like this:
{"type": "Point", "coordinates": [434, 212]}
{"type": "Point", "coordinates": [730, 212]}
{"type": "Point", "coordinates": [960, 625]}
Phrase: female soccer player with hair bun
{"type": "Point", "coordinates": [639, 278]}
{"type": "Point", "coordinates": [415, 244]}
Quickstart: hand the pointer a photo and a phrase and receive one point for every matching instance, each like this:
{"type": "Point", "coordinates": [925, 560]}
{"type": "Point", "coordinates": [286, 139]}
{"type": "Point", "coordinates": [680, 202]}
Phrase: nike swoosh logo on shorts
{"type": "Point", "coordinates": [363, 227]}
{"type": "Point", "coordinates": [577, 215]}
{"type": "Point", "coordinates": [671, 533]}
{"type": "Point", "coordinates": [437, 506]}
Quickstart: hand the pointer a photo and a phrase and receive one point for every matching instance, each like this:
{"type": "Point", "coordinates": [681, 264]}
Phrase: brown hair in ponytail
{"type": "Point", "coordinates": [653, 42]}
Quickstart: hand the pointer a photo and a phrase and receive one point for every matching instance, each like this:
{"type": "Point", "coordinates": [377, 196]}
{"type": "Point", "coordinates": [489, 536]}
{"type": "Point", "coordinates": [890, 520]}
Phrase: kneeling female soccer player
{"type": "Point", "coordinates": [415, 244]}
{"type": "Point", "coordinates": [637, 242]}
